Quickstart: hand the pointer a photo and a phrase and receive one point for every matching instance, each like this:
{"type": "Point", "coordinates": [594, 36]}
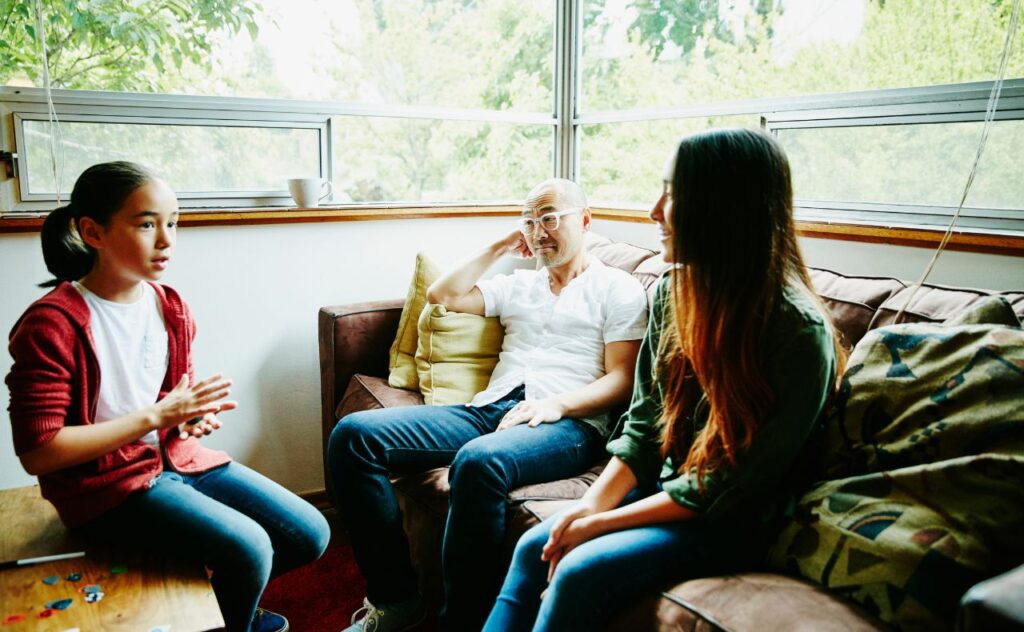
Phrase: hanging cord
{"type": "Point", "coordinates": [990, 113]}
{"type": "Point", "coordinates": [56, 134]}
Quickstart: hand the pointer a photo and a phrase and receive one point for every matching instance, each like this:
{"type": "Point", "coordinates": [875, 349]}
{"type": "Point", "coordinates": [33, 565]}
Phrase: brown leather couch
{"type": "Point", "coordinates": [354, 343]}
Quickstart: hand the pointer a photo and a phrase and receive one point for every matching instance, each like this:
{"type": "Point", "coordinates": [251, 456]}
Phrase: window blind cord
{"type": "Point", "coordinates": [990, 112]}
{"type": "Point", "coordinates": [56, 135]}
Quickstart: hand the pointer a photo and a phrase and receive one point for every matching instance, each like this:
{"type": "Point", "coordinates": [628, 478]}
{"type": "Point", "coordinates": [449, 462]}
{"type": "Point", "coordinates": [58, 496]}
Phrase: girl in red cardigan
{"type": "Point", "coordinates": [107, 412]}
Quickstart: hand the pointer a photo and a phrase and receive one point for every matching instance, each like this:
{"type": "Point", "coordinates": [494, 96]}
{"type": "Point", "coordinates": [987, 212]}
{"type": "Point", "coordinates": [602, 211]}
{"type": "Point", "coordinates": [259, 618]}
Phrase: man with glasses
{"type": "Point", "coordinates": [572, 331]}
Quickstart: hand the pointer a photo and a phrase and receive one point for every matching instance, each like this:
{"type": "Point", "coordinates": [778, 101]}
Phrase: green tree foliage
{"type": "Point", "coordinates": [117, 44]}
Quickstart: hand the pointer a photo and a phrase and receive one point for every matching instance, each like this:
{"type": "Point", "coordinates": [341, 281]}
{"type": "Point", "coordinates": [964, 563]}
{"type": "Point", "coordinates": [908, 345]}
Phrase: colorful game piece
{"type": "Point", "coordinates": [59, 604]}
{"type": "Point", "coordinates": [46, 614]}
{"type": "Point", "coordinates": [51, 580]}
{"type": "Point", "coordinates": [120, 568]}
{"type": "Point", "coordinates": [91, 588]}
{"type": "Point", "coordinates": [93, 597]}
{"type": "Point", "coordinates": [73, 577]}
{"type": "Point", "coordinates": [13, 618]}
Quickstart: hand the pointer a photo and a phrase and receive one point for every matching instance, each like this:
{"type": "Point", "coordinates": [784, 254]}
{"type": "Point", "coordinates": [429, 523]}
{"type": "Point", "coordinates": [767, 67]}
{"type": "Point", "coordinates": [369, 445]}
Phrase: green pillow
{"type": "Point", "coordinates": [924, 461]}
{"type": "Point", "coordinates": [456, 354]}
{"type": "Point", "coordinates": [402, 357]}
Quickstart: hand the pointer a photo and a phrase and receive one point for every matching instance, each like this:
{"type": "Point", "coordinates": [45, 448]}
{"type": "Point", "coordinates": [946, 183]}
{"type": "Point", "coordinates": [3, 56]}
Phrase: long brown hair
{"type": "Point", "coordinates": [735, 242]}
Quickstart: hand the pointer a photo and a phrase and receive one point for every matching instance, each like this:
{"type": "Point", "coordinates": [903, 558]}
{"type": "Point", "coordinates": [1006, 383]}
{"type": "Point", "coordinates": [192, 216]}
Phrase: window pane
{"type": "Point", "coordinates": [622, 163]}
{"type": "Point", "coordinates": [496, 54]}
{"type": "Point", "coordinates": [191, 158]}
{"type": "Point", "coordinates": [412, 160]}
{"type": "Point", "coordinates": [907, 164]}
{"type": "Point", "coordinates": [643, 53]}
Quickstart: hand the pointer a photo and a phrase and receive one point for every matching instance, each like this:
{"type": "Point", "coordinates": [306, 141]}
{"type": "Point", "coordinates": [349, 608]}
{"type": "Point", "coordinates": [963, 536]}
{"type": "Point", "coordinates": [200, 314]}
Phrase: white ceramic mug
{"type": "Point", "coordinates": [307, 192]}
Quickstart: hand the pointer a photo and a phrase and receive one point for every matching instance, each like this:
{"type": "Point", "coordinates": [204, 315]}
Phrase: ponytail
{"type": "Point", "coordinates": [99, 193]}
{"type": "Point", "coordinates": [66, 255]}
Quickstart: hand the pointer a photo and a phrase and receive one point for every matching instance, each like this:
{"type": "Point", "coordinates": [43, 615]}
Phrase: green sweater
{"type": "Point", "coordinates": [800, 366]}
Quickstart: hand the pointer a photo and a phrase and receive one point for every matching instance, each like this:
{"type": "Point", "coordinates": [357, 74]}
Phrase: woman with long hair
{"type": "Point", "coordinates": [734, 372]}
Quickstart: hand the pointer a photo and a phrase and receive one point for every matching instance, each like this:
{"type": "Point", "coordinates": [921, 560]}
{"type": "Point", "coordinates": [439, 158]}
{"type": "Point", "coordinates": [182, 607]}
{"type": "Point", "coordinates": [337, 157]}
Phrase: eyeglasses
{"type": "Point", "coordinates": [549, 221]}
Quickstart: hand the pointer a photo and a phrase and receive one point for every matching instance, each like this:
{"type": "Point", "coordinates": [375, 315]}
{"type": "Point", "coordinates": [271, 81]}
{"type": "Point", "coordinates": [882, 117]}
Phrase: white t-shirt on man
{"type": "Point", "coordinates": [131, 347]}
{"type": "Point", "coordinates": [555, 344]}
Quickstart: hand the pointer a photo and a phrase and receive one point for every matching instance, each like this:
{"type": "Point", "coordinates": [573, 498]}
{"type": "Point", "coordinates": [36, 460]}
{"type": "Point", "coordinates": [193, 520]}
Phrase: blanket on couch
{"type": "Point", "coordinates": [923, 461]}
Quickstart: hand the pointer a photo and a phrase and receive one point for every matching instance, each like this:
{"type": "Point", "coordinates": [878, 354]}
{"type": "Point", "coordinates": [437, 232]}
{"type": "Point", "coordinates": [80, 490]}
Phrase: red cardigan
{"type": "Point", "coordinates": [55, 381]}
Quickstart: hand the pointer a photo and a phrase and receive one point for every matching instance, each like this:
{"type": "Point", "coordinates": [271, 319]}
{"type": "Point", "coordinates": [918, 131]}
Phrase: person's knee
{"type": "Point", "coordinates": [530, 546]}
{"type": "Point", "coordinates": [571, 578]}
{"type": "Point", "coordinates": [350, 436]}
{"type": "Point", "coordinates": [479, 466]}
{"type": "Point", "coordinates": [313, 534]}
{"type": "Point", "coordinates": [247, 550]}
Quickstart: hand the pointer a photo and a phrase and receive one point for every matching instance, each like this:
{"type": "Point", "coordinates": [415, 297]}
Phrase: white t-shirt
{"type": "Point", "coordinates": [131, 347]}
{"type": "Point", "coordinates": [555, 344]}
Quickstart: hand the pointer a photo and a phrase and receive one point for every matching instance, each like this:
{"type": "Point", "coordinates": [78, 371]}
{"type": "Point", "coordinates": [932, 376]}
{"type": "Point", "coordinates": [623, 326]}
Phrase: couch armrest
{"type": "Point", "coordinates": [994, 604]}
{"type": "Point", "coordinates": [354, 338]}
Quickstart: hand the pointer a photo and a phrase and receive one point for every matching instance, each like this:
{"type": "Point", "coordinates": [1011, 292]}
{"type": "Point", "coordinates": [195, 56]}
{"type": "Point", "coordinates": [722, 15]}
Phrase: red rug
{"type": "Point", "coordinates": [319, 597]}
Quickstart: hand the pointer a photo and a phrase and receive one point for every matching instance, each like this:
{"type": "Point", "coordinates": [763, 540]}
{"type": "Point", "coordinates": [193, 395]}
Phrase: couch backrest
{"type": "Point", "coordinates": [857, 304]}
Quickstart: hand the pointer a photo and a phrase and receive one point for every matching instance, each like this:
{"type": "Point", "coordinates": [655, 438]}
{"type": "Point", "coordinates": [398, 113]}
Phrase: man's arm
{"type": "Point", "coordinates": [612, 388]}
{"type": "Point", "coordinates": [456, 289]}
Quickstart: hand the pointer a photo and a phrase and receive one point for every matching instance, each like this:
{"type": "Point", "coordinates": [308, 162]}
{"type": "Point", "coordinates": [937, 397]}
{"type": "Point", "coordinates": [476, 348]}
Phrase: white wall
{"type": "Point", "coordinates": [255, 291]}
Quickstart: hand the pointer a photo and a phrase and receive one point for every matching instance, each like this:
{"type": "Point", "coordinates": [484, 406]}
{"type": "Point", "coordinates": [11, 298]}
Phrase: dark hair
{"type": "Point", "coordinates": [99, 193]}
{"type": "Point", "coordinates": [733, 230]}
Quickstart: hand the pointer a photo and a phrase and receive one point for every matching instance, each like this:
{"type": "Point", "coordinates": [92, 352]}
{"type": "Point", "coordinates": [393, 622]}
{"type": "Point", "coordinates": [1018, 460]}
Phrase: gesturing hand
{"type": "Point", "coordinates": [193, 408]}
{"type": "Point", "coordinates": [534, 413]}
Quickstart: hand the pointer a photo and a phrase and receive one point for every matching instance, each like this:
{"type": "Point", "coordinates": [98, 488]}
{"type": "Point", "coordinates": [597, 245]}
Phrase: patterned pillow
{"type": "Point", "coordinates": [924, 452]}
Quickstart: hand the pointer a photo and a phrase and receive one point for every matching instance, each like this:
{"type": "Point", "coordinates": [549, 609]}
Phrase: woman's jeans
{"type": "Point", "coordinates": [603, 575]}
{"type": "Point", "coordinates": [243, 526]}
{"type": "Point", "coordinates": [366, 448]}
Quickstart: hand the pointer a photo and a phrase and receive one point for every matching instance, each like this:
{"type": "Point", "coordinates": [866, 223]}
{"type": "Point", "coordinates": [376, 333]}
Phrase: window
{"type": "Point", "coordinates": [879, 104]}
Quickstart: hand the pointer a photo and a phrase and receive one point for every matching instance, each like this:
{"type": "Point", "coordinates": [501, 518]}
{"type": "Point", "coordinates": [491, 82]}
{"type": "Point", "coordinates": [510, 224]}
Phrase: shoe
{"type": "Point", "coordinates": [397, 617]}
{"type": "Point", "coordinates": [267, 621]}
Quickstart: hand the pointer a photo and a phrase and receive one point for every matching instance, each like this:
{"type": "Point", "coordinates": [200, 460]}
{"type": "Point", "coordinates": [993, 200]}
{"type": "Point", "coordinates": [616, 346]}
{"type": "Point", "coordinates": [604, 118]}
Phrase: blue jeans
{"type": "Point", "coordinates": [242, 525]}
{"type": "Point", "coordinates": [605, 574]}
{"type": "Point", "coordinates": [366, 447]}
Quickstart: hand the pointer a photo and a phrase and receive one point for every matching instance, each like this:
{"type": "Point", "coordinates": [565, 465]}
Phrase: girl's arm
{"type": "Point", "coordinates": [74, 445]}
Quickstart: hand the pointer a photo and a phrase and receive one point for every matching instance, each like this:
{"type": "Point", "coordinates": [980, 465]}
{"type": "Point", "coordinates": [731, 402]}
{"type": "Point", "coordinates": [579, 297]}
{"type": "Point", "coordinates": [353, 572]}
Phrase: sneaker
{"type": "Point", "coordinates": [397, 617]}
{"type": "Point", "coordinates": [267, 621]}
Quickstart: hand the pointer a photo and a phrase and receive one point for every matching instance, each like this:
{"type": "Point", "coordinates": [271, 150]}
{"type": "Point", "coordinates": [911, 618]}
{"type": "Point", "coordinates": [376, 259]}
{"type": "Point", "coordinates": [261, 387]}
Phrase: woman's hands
{"type": "Point", "coordinates": [194, 408]}
{"type": "Point", "coordinates": [570, 529]}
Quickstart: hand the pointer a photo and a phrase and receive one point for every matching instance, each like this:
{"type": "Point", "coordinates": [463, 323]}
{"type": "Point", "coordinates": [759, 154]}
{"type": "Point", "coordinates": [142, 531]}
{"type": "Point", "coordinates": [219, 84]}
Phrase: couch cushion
{"type": "Point", "coordinates": [936, 304]}
{"type": "Point", "coordinates": [455, 354]}
{"type": "Point", "coordinates": [749, 601]}
{"type": "Point", "coordinates": [366, 392]}
{"type": "Point", "coordinates": [852, 300]}
{"type": "Point", "coordinates": [402, 357]}
{"type": "Point", "coordinates": [617, 254]}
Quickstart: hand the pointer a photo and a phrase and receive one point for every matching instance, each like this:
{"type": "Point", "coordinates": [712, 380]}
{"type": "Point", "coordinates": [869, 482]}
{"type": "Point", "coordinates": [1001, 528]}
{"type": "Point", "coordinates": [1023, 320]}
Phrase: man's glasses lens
{"type": "Point", "coordinates": [550, 221]}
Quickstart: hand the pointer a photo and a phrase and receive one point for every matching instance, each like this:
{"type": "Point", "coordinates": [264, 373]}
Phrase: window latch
{"type": "Point", "coordinates": [10, 161]}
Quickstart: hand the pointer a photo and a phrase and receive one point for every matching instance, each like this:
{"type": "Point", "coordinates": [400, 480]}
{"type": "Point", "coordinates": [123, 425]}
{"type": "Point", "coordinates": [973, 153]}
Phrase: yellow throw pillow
{"type": "Point", "coordinates": [456, 354]}
{"type": "Point", "coordinates": [402, 358]}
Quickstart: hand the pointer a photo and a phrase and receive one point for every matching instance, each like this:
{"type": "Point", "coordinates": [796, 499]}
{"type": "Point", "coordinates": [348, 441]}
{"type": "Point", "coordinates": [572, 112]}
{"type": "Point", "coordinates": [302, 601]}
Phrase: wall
{"type": "Point", "coordinates": [255, 291]}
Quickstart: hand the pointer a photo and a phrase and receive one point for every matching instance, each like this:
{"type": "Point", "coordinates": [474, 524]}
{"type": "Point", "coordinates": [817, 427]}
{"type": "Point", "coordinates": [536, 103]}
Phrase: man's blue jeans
{"type": "Point", "coordinates": [366, 447]}
{"type": "Point", "coordinates": [605, 574]}
{"type": "Point", "coordinates": [245, 527]}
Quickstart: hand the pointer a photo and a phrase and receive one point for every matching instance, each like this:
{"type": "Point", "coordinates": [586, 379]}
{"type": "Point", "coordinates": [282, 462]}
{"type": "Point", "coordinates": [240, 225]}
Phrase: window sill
{"type": "Point", "coordinates": [1010, 245]}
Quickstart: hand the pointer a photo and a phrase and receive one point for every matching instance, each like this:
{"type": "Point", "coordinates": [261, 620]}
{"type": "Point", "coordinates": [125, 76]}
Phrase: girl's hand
{"type": "Point", "coordinates": [205, 424]}
{"type": "Point", "coordinates": [188, 406]}
{"type": "Point", "coordinates": [570, 529]}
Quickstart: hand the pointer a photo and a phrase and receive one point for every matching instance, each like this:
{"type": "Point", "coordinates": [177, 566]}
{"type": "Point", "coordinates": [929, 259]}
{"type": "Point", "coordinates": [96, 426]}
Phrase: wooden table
{"type": "Point", "coordinates": [150, 592]}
